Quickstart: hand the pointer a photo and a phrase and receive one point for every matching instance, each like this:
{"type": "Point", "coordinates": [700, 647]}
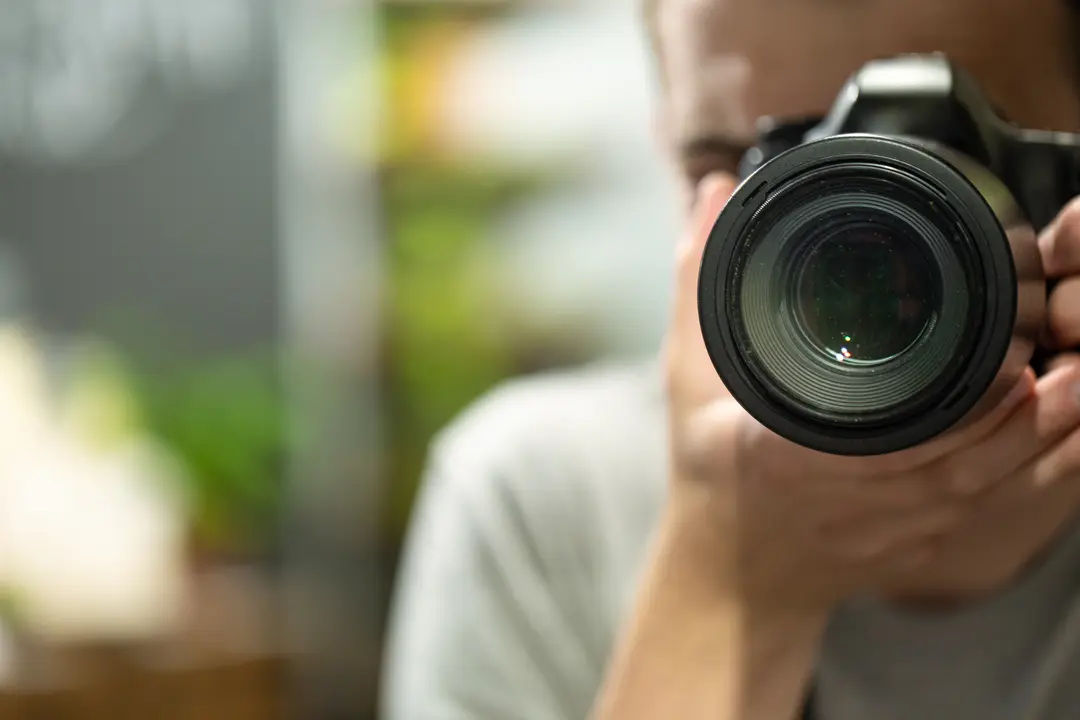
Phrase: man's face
{"type": "Point", "coordinates": [728, 62]}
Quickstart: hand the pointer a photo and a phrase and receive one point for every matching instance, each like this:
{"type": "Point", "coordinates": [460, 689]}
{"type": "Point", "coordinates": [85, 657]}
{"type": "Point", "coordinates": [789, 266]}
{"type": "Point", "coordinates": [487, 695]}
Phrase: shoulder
{"type": "Point", "coordinates": [566, 473]}
{"type": "Point", "coordinates": [591, 431]}
{"type": "Point", "coordinates": [530, 526]}
{"type": "Point", "coordinates": [607, 400]}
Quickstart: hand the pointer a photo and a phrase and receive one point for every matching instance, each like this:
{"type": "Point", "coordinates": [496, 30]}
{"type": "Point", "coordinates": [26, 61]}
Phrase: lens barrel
{"type": "Point", "coordinates": [861, 294]}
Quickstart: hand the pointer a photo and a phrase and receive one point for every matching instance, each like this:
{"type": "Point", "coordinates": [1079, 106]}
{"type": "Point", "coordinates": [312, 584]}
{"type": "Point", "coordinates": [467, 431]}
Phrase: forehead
{"type": "Point", "coordinates": [729, 62]}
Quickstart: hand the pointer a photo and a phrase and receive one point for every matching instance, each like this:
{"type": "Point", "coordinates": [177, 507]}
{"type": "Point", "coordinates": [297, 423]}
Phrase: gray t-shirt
{"type": "Point", "coordinates": [529, 537]}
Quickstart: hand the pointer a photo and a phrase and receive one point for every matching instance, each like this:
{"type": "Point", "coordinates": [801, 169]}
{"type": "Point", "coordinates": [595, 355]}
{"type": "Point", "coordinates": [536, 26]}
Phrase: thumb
{"type": "Point", "coordinates": [688, 363]}
{"type": "Point", "coordinates": [712, 195]}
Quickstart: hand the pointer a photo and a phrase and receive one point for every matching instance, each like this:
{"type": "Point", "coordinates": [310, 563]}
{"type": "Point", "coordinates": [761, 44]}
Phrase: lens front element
{"type": "Point", "coordinates": [865, 292]}
{"type": "Point", "coordinates": [839, 295]}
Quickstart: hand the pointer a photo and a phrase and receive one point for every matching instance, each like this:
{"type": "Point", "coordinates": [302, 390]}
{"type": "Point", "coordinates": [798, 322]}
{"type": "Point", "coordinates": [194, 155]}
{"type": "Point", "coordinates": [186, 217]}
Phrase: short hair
{"type": "Point", "coordinates": [650, 11]}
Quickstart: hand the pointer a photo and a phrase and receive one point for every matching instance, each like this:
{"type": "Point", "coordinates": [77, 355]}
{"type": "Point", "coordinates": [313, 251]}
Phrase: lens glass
{"type": "Point", "coordinates": [864, 292]}
{"type": "Point", "coordinates": [849, 299]}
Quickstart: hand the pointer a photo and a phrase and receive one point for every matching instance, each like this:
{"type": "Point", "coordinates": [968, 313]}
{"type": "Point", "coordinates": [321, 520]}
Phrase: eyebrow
{"type": "Point", "coordinates": [714, 144]}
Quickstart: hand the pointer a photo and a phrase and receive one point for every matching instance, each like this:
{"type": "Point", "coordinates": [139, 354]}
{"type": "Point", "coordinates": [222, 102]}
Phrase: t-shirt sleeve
{"type": "Point", "coordinates": [476, 631]}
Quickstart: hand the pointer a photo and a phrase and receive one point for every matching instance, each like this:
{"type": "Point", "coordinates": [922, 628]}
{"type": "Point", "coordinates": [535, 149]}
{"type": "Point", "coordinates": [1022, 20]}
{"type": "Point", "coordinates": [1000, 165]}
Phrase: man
{"type": "Point", "coordinates": [630, 544]}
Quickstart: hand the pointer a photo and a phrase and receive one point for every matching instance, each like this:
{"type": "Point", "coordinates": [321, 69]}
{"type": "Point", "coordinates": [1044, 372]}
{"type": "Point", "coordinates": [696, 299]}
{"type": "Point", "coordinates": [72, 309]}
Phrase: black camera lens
{"type": "Point", "coordinates": [865, 292]}
{"type": "Point", "coordinates": [838, 298]}
{"type": "Point", "coordinates": [858, 294]}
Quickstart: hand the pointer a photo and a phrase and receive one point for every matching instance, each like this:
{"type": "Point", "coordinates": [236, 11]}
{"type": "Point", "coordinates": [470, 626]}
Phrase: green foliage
{"type": "Point", "coordinates": [9, 606]}
{"type": "Point", "coordinates": [226, 420]}
{"type": "Point", "coordinates": [447, 337]}
{"type": "Point", "coordinates": [449, 331]}
{"type": "Point", "coordinates": [398, 22]}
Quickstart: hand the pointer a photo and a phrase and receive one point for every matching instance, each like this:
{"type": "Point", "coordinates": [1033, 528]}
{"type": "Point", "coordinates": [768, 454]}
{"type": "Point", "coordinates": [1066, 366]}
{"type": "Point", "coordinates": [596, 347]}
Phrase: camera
{"type": "Point", "coordinates": [875, 279]}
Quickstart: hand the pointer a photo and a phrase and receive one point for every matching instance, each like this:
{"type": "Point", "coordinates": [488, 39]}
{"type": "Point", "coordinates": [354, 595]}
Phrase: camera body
{"type": "Point", "coordinates": [875, 279]}
{"type": "Point", "coordinates": [930, 101]}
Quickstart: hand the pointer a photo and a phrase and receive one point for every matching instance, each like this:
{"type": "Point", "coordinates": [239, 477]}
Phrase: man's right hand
{"type": "Point", "coordinates": [800, 530]}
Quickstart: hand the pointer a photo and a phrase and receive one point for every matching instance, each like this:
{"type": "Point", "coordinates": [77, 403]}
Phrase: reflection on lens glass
{"type": "Point", "coordinates": [840, 306]}
{"type": "Point", "coordinates": [864, 294]}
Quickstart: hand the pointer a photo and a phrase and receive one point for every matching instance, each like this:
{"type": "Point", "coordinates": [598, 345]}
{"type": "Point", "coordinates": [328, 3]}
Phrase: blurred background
{"type": "Point", "coordinates": [253, 254]}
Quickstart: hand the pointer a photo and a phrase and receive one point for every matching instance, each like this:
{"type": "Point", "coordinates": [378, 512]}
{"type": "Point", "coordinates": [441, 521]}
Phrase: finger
{"type": "Point", "coordinates": [1059, 243]}
{"type": "Point", "coordinates": [1060, 463]}
{"type": "Point", "coordinates": [965, 434]}
{"type": "Point", "coordinates": [912, 557]}
{"type": "Point", "coordinates": [1047, 486]}
{"type": "Point", "coordinates": [1063, 313]}
{"type": "Point", "coordinates": [898, 465]}
{"type": "Point", "coordinates": [1061, 360]}
{"type": "Point", "coordinates": [713, 194]}
{"type": "Point", "coordinates": [875, 536]}
{"type": "Point", "coordinates": [835, 497]}
{"type": "Point", "coordinates": [1051, 413]}
{"type": "Point", "coordinates": [691, 375]}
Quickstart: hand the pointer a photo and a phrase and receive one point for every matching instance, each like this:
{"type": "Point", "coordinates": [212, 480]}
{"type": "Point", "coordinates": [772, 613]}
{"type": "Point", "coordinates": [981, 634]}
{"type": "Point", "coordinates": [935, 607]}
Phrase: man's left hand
{"type": "Point", "coordinates": [1060, 247]}
{"type": "Point", "coordinates": [1017, 520]}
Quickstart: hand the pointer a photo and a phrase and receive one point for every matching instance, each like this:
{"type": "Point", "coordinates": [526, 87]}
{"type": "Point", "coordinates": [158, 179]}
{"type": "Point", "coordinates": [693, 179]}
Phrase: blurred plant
{"type": "Point", "coordinates": [9, 606]}
{"type": "Point", "coordinates": [223, 418]}
{"type": "Point", "coordinates": [451, 333]}
{"type": "Point", "coordinates": [226, 421]}
{"type": "Point", "coordinates": [419, 44]}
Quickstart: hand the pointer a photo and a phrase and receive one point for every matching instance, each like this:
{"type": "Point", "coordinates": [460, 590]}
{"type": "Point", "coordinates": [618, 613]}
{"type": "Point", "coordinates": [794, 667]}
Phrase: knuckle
{"type": "Point", "coordinates": [869, 554]}
{"type": "Point", "coordinates": [959, 477]}
{"type": "Point", "coordinates": [1061, 246]}
{"type": "Point", "coordinates": [1063, 310]}
{"type": "Point", "coordinates": [906, 494]}
{"type": "Point", "coordinates": [1066, 291]}
{"type": "Point", "coordinates": [854, 547]}
{"type": "Point", "coordinates": [951, 516]}
{"type": "Point", "coordinates": [1063, 462]}
{"type": "Point", "coordinates": [924, 491]}
{"type": "Point", "coordinates": [1067, 461]}
{"type": "Point", "coordinates": [1068, 224]}
{"type": "Point", "coordinates": [956, 475]}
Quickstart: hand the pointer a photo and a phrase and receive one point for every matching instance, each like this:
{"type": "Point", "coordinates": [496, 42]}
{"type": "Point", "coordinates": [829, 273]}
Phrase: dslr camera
{"type": "Point", "coordinates": [875, 279]}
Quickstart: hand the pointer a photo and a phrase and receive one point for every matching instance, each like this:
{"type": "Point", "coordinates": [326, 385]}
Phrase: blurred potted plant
{"type": "Point", "coordinates": [225, 419]}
